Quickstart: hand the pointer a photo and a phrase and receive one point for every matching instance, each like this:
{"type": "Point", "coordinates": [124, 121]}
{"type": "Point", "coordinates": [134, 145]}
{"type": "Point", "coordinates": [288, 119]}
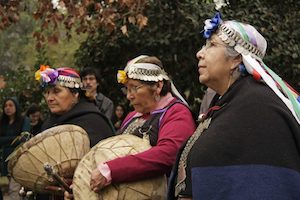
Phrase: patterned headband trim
{"type": "Point", "coordinates": [65, 77]}
{"type": "Point", "coordinates": [143, 72]}
{"type": "Point", "coordinates": [230, 36]}
{"type": "Point", "coordinates": [233, 39]}
{"type": "Point", "coordinates": [146, 72]}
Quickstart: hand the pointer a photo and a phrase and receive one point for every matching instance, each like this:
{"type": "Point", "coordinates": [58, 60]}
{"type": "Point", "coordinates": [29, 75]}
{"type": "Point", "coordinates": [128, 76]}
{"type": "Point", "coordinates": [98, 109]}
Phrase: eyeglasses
{"type": "Point", "coordinates": [210, 44]}
{"type": "Point", "coordinates": [133, 89]}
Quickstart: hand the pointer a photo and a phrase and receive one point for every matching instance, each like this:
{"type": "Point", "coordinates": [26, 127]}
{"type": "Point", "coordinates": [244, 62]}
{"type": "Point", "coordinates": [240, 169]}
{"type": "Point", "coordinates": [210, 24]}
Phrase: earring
{"type": "Point", "coordinates": [157, 98]}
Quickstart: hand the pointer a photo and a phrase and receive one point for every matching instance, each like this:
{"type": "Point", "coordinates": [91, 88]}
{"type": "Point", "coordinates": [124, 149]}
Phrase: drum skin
{"type": "Point", "coordinates": [108, 149]}
{"type": "Point", "coordinates": [62, 147]}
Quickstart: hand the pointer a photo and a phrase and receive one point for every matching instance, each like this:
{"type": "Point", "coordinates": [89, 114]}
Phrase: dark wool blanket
{"type": "Point", "coordinates": [250, 149]}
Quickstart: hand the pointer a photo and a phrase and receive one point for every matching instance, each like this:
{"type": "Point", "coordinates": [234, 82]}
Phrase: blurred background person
{"type": "Point", "coordinates": [12, 123]}
{"type": "Point", "coordinates": [91, 84]}
{"type": "Point", "coordinates": [119, 115]}
{"type": "Point", "coordinates": [34, 113]}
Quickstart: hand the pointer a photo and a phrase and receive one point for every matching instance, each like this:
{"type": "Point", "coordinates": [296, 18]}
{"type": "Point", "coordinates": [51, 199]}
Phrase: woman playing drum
{"type": "Point", "coordinates": [62, 90]}
{"type": "Point", "coordinates": [160, 116]}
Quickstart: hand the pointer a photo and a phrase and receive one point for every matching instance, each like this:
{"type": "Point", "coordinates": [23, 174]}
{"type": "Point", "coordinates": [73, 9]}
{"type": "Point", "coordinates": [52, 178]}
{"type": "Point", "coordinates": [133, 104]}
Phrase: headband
{"type": "Point", "coordinates": [247, 41]}
{"type": "Point", "coordinates": [146, 72]}
{"type": "Point", "coordinates": [65, 77]}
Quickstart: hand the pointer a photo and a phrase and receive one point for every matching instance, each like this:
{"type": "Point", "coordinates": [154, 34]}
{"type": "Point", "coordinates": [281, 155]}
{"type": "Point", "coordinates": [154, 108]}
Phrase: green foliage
{"type": "Point", "coordinates": [173, 35]}
{"type": "Point", "coordinates": [20, 83]}
{"type": "Point", "coordinates": [20, 59]}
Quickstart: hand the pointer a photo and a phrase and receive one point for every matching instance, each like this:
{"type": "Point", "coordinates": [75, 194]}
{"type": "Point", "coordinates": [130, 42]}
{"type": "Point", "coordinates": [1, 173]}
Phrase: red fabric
{"type": "Point", "coordinates": [176, 127]}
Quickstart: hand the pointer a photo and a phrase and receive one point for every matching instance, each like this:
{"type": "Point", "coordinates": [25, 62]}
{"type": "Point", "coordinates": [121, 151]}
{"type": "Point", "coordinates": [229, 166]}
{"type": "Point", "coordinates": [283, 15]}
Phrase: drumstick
{"type": "Point", "coordinates": [51, 172]}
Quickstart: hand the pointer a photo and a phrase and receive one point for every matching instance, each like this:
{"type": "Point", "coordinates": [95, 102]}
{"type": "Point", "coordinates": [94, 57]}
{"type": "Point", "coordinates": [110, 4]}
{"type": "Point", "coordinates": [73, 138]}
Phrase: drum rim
{"type": "Point", "coordinates": [41, 136]}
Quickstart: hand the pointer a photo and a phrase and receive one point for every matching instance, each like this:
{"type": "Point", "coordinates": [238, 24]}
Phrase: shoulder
{"type": "Point", "coordinates": [102, 97]}
{"type": "Point", "coordinates": [178, 111]}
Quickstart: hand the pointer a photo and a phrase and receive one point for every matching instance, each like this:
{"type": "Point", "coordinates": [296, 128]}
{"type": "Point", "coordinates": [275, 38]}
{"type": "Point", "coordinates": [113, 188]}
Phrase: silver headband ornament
{"type": "Point", "coordinates": [146, 72]}
{"type": "Point", "coordinates": [233, 39]}
{"type": "Point", "coordinates": [230, 36]}
{"type": "Point", "coordinates": [141, 71]}
{"type": "Point", "coordinates": [70, 82]}
{"type": "Point", "coordinates": [49, 76]}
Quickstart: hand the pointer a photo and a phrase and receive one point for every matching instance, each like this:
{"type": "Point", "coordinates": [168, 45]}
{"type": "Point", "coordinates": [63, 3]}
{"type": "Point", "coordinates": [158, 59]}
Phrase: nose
{"type": "Point", "coordinates": [48, 96]}
{"type": "Point", "coordinates": [200, 53]}
{"type": "Point", "coordinates": [129, 95]}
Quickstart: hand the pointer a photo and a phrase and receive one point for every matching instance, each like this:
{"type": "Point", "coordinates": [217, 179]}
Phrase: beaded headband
{"type": "Point", "coordinates": [146, 72]}
{"type": "Point", "coordinates": [230, 36]}
{"type": "Point", "coordinates": [141, 71]}
{"type": "Point", "coordinates": [65, 77]}
{"type": "Point", "coordinates": [233, 39]}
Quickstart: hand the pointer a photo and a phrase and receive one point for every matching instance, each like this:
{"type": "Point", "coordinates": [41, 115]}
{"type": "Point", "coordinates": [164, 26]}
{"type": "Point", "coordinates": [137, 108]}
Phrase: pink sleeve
{"type": "Point", "coordinates": [176, 126]}
{"type": "Point", "coordinates": [105, 171]}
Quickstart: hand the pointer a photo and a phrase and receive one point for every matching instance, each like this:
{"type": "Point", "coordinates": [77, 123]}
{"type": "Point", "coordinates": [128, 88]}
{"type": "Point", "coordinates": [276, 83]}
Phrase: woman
{"type": "Point", "coordinates": [247, 146]}
{"type": "Point", "coordinates": [68, 105]}
{"type": "Point", "coordinates": [160, 113]}
{"type": "Point", "coordinates": [35, 115]}
{"type": "Point", "coordinates": [119, 116]}
{"type": "Point", "coordinates": [12, 123]}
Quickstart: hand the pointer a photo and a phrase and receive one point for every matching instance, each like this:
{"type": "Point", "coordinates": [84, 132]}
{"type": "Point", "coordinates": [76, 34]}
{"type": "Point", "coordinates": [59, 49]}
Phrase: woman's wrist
{"type": "Point", "coordinates": [105, 171]}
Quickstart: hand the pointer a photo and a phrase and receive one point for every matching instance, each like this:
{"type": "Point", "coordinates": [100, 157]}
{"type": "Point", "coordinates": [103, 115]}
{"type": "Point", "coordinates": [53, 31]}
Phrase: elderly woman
{"type": "Point", "coordinates": [62, 90]}
{"type": "Point", "coordinates": [68, 105]}
{"type": "Point", "coordinates": [248, 144]}
{"type": "Point", "coordinates": [160, 115]}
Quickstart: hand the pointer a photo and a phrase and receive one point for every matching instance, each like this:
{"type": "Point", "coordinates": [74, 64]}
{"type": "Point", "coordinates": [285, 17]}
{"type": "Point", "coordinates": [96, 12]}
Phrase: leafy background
{"type": "Point", "coordinates": [172, 34]}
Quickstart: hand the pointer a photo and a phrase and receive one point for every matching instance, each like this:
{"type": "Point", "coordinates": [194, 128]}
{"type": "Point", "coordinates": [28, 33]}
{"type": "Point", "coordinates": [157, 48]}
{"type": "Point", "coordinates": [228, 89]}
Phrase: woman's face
{"type": "Point", "coordinates": [60, 99]}
{"type": "Point", "coordinates": [35, 117]}
{"type": "Point", "coordinates": [10, 108]}
{"type": "Point", "coordinates": [119, 112]}
{"type": "Point", "coordinates": [141, 96]}
{"type": "Point", "coordinates": [214, 66]}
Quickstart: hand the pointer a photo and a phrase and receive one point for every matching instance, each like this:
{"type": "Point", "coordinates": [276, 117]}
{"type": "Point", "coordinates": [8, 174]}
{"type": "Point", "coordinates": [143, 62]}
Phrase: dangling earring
{"type": "Point", "coordinates": [157, 98]}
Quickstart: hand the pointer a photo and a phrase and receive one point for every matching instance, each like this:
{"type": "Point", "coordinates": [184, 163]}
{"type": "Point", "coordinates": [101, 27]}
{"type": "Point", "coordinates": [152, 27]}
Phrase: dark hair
{"type": "Point", "coordinates": [18, 122]}
{"type": "Point", "coordinates": [91, 71]}
{"type": "Point", "coordinates": [154, 60]}
{"type": "Point", "coordinates": [33, 109]}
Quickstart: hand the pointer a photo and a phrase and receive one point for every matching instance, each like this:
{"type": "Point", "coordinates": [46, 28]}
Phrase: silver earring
{"type": "Point", "coordinates": [157, 98]}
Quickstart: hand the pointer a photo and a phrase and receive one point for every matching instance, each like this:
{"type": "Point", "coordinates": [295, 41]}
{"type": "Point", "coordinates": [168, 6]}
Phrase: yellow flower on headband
{"type": "Point", "coordinates": [122, 77]}
{"type": "Point", "coordinates": [37, 75]}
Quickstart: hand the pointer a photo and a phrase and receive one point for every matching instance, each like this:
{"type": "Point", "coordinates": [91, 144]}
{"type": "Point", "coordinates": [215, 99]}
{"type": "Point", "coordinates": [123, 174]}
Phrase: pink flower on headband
{"type": "Point", "coordinates": [46, 75]}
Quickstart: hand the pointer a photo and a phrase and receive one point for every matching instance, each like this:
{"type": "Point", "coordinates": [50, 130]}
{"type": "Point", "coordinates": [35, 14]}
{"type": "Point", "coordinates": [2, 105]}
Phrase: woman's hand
{"type": "Point", "coordinates": [98, 181]}
{"type": "Point", "coordinates": [67, 195]}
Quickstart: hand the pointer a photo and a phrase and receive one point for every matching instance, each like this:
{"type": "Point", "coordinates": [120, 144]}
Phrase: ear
{"type": "Point", "coordinates": [76, 95]}
{"type": "Point", "coordinates": [236, 61]}
{"type": "Point", "coordinates": [160, 85]}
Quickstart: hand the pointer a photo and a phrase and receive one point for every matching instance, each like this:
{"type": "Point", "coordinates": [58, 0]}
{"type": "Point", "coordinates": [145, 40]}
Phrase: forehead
{"type": "Point", "coordinates": [133, 82]}
{"type": "Point", "coordinates": [56, 87]}
{"type": "Point", "coordinates": [89, 76]}
{"type": "Point", "coordinates": [35, 113]}
{"type": "Point", "coordinates": [215, 38]}
{"type": "Point", "coordinates": [9, 102]}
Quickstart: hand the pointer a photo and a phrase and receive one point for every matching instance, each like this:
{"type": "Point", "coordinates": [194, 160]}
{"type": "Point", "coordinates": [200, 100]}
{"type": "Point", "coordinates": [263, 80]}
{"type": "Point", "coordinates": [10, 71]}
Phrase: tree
{"type": "Point", "coordinates": [173, 34]}
{"type": "Point", "coordinates": [84, 16]}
